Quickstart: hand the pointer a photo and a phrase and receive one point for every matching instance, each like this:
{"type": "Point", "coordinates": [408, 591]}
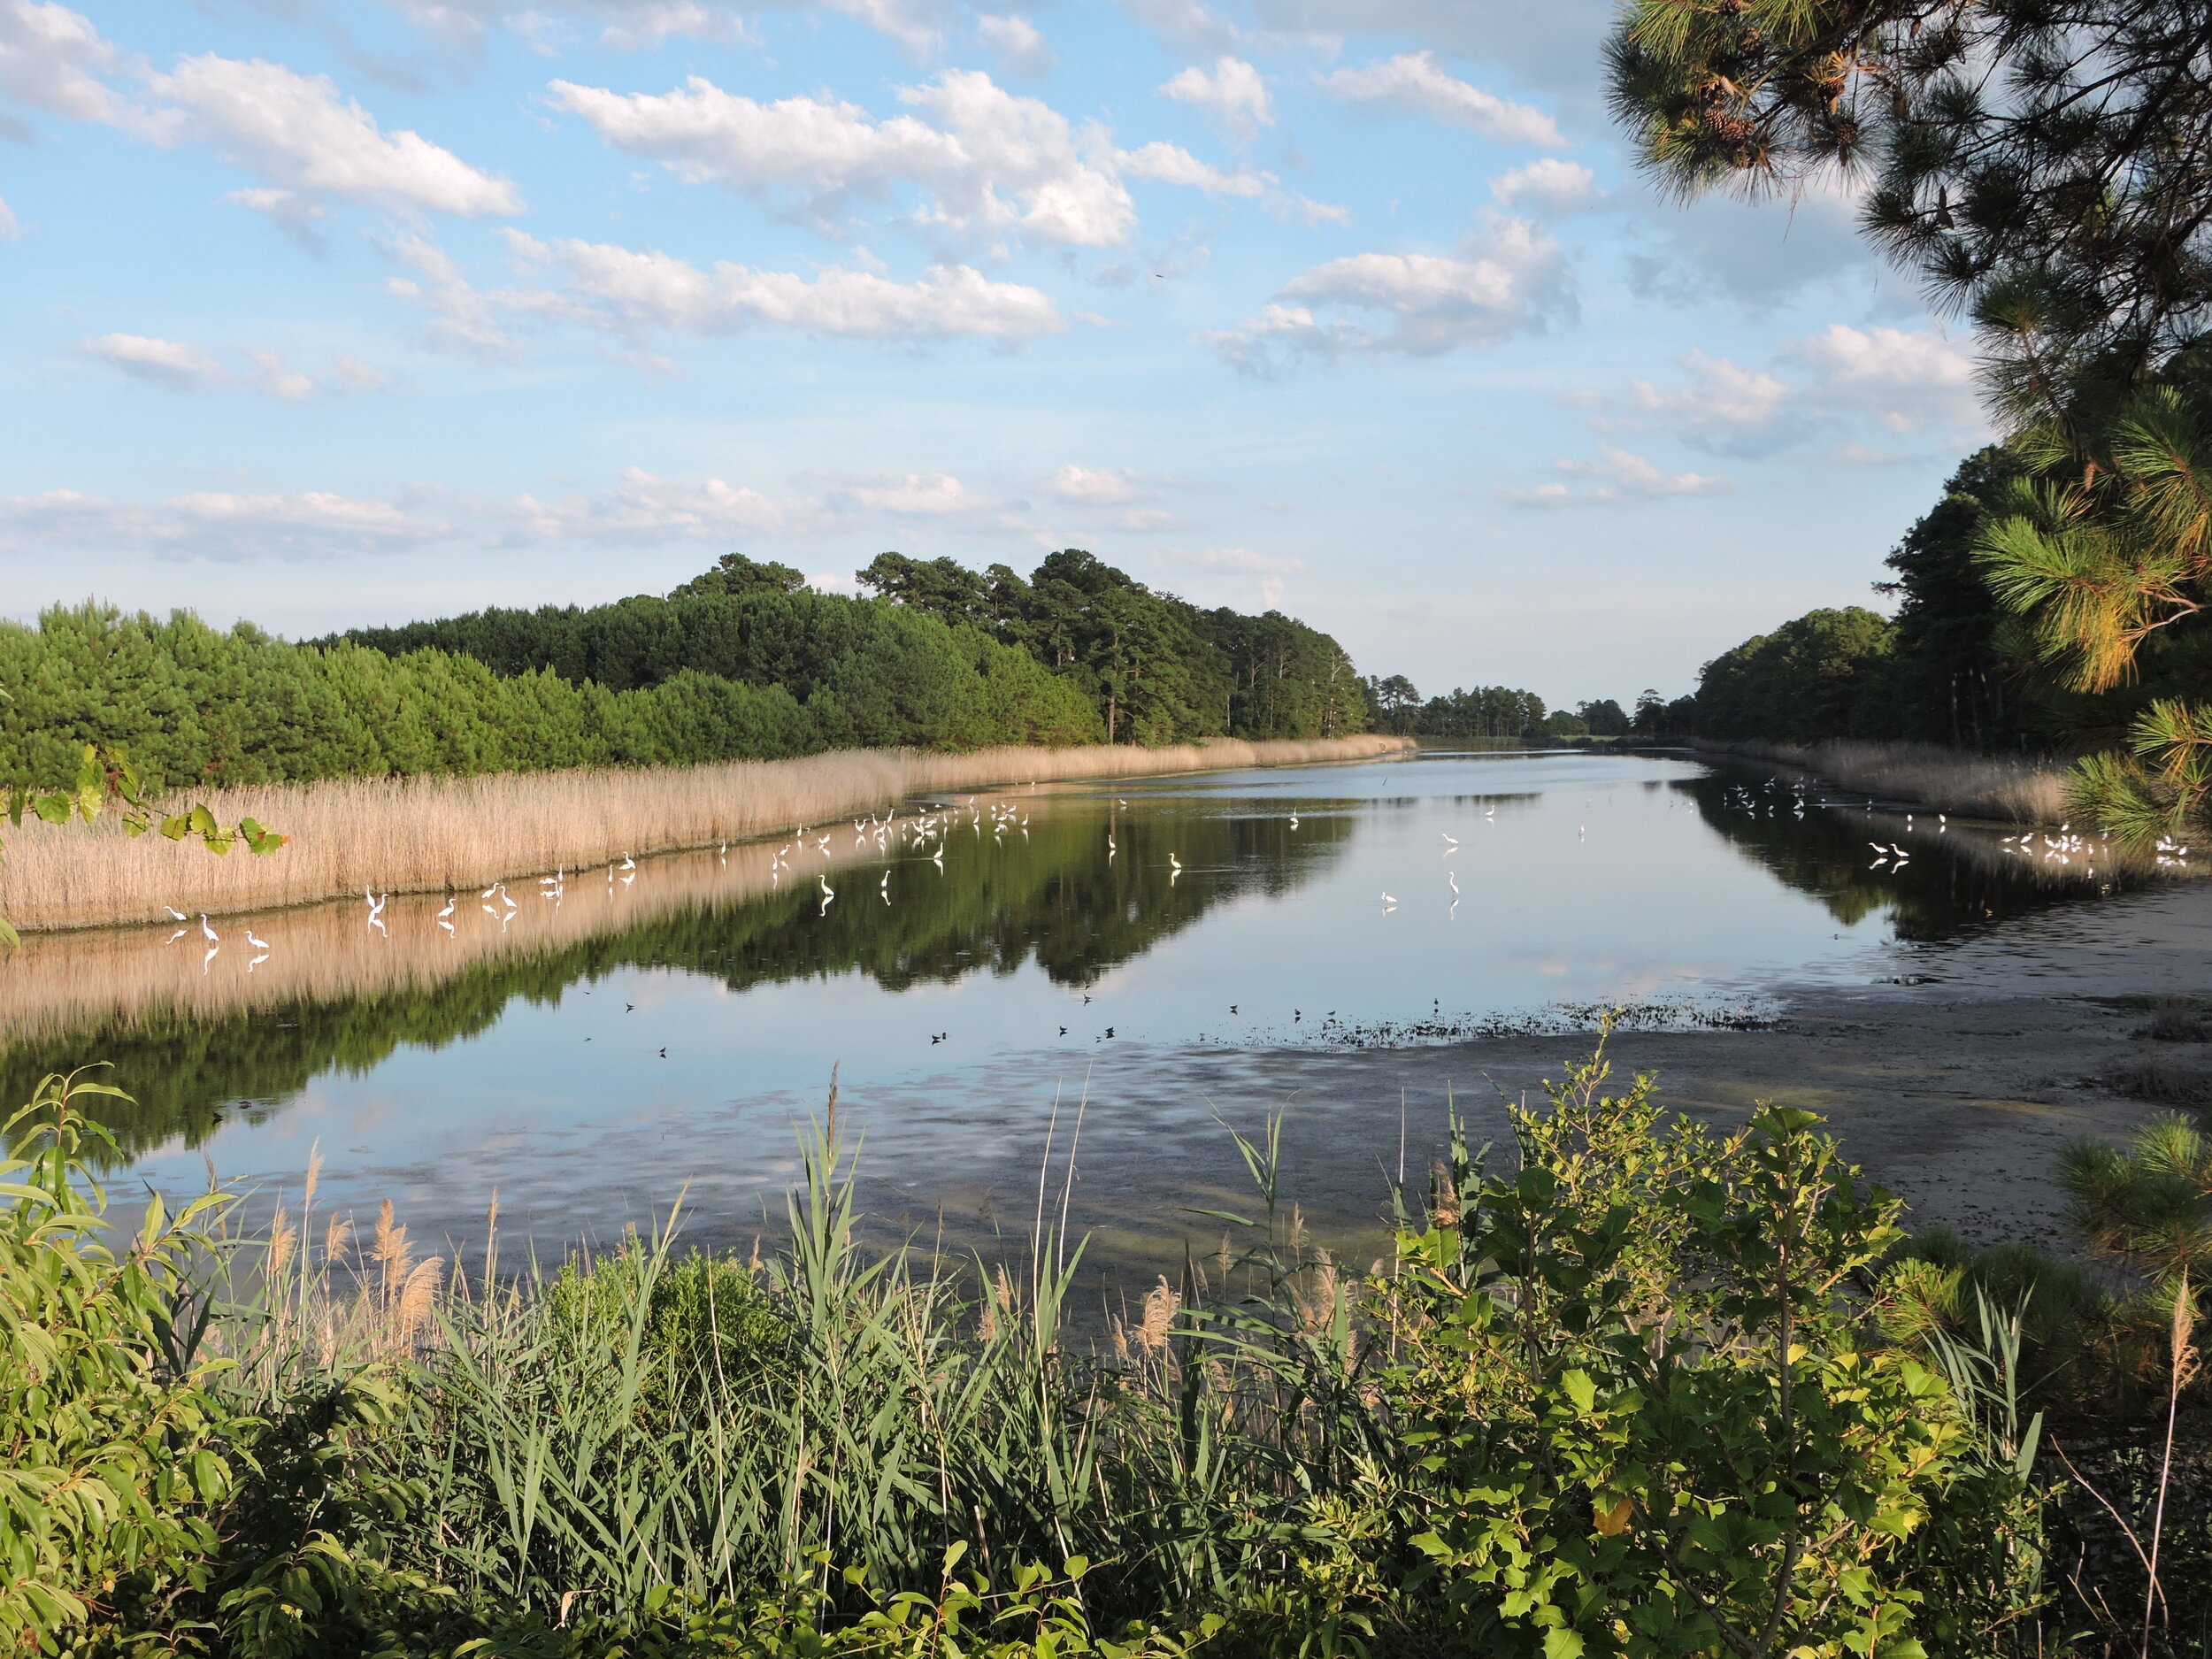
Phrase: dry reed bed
{"type": "Point", "coordinates": [437, 834]}
{"type": "Point", "coordinates": [57, 985]}
{"type": "Point", "coordinates": [2018, 791]}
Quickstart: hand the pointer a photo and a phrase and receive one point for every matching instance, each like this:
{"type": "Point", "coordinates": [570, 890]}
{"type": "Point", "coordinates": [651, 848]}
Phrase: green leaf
{"type": "Point", "coordinates": [1563, 1644]}
{"type": "Point", "coordinates": [1580, 1389]}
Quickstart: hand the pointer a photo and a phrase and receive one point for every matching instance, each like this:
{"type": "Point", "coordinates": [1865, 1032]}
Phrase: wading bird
{"type": "Point", "coordinates": [258, 944]}
{"type": "Point", "coordinates": [207, 932]}
{"type": "Point", "coordinates": [175, 915]}
{"type": "Point", "coordinates": [447, 911]}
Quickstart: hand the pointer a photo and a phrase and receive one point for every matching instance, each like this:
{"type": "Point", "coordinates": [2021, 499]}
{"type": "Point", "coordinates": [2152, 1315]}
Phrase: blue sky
{"type": "Point", "coordinates": [326, 313]}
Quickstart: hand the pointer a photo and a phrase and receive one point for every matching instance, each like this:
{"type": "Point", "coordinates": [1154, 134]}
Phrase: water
{"type": "Point", "coordinates": [591, 1056]}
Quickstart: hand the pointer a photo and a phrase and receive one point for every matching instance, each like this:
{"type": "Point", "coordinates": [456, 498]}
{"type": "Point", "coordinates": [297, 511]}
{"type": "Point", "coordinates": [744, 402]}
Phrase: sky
{"type": "Point", "coordinates": [336, 312]}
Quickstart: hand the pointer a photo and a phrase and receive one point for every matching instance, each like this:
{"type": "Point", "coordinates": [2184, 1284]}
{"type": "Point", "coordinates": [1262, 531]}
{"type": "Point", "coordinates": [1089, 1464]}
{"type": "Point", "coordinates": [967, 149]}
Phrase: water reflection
{"type": "Point", "coordinates": [660, 1025]}
{"type": "Point", "coordinates": [1953, 882]}
{"type": "Point", "coordinates": [337, 995]}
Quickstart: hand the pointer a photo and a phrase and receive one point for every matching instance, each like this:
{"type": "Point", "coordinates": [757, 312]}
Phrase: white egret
{"type": "Point", "coordinates": [1453, 879]}
{"type": "Point", "coordinates": [207, 932]}
{"type": "Point", "coordinates": [258, 944]}
{"type": "Point", "coordinates": [629, 863]}
{"type": "Point", "coordinates": [1294, 820]}
{"type": "Point", "coordinates": [175, 915]}
{"type": "Point", "coordinates": [447, 911]}
{"type": "Point", "coordinates": [1451, 841]}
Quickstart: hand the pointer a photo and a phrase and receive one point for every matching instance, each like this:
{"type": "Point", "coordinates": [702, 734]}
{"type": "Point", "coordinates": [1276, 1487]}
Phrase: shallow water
{"type": "Point", "coordinates": [591, 1051]}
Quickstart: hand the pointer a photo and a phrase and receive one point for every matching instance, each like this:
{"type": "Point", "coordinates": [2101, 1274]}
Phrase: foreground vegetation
{"type": "Point", "coordinates": [1652, 1389]}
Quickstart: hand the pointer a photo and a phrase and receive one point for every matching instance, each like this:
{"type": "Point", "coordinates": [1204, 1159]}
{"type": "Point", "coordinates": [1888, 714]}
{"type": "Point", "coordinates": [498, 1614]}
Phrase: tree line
{"type": "Point", "coordinates": [1149, 667]}
{"type": "Point", "coordinates": [1489, 712]}
{"type": "Point", "coordinates": [742, 663]}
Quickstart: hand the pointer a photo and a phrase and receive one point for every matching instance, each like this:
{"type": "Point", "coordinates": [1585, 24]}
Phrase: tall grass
{"type": "Point", "coordinates": [2018, 789]}
{"type": "Point", "coordinates": [434, 834]}
{"type": "Point", "coordinates": [651, 1422]}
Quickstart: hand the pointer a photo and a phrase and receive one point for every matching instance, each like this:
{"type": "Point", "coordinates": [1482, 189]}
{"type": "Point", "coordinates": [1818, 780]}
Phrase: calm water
{"type": "Point", "coordinates": [591, 1054]}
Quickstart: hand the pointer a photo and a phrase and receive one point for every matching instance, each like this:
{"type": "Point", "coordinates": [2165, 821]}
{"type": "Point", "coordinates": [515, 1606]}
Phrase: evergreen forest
{"type": "Point", "coordinates": [745, 662]}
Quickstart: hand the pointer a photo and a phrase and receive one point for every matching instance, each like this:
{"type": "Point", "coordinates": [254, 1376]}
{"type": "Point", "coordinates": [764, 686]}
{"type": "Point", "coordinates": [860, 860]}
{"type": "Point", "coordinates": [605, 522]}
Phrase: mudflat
{"type": "Point", "coordinates": [1954, 1086]}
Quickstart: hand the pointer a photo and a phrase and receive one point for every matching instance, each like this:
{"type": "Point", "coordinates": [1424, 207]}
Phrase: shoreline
{"type": "Point", "coordinates": [441, 835]}
{"type": "Point", "coordinates": [2012, 789]}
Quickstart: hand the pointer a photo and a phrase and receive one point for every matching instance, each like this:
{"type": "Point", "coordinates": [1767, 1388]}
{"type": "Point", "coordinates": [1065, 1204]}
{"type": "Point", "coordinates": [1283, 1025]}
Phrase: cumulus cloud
{"type": "Point", "coordinates": [51, 58]}
{"type": "Point", "coordinates": [222, 525]}
{"type": "Point", "coordinates": [1094, 486]}
{"type": "Point", "coordinates": [642, 25]}
{"type": "Point", "coordinates": [1507, 281]}
{"type": "Point", "coordinates": [990, 162]}
{"type": "Point", "coordinates": [1726, 408]}
{"type": "Point", "coordinates": [1020, 46]}
{"type": "Point", "coordinates": [1620, 478]}
{"type": "Point", "coordinates": [165, 363]}
{"type": "Point", "coordinates": [1231, 92]}
{"type": "Point", "coordinates": [1549, 184]}
{"type": "Point", "coordinates": [628, 290]}
{"type": "Point", "coordinates": [1416, 83]}
{"type": "Point", "coordinates": [1236, 558]}
{"type": "Point", "coordinates": [1161, 163]}
{"type": "Point", "coordinates": [456, 316]}
{"type": "Point", "coordinates": [1906, 379]}
{"type": "Point", "coordinates": [179, 368]}
{"type": "Point", "coordinates": [310, 143]}
{"type": "Point", "coordinates": [641, 509]}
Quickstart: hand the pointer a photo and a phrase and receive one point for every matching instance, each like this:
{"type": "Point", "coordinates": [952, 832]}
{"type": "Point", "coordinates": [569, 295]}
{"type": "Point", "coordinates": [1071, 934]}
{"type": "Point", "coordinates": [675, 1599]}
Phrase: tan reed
{"type": "Point", "coordinates": [441, 835]}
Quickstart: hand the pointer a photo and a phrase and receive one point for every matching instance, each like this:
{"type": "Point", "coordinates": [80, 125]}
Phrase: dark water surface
{"type": "Point", "coordinates": [673, 1034]}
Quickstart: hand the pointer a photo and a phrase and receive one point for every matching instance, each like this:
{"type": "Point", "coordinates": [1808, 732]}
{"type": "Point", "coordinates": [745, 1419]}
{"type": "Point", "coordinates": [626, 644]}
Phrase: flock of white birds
{"type": "Point", "coordinates": [927, 832]}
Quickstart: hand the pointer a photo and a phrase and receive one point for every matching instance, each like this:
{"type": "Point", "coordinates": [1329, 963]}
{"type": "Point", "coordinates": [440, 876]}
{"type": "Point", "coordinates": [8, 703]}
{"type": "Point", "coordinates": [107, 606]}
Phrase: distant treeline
{"type": "Point", "coordinates": [743, 663]}
{"type": "Point", "coordinates": [1136, 666]}
{"type": "Point", "coordinates": [1491, 711]}
{"type": "Point", "coordinates": [1951, 668]}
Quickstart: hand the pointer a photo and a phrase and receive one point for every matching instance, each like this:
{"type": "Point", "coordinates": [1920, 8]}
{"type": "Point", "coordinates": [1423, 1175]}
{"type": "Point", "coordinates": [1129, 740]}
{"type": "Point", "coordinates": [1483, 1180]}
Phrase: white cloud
{"type": "Point", "coordinates": [643, 509]}
{"type": "Point", "coordinates": [308, 143]}
{"type": "Point", "coordinates": [1019, 44]}
{"type": "Point", "coordinates": [1549, 184]}
{"type": "Point", "coordinates": [1094, 486]}
{"type": "Point", "coordinates": [1417, 82]}
{"type": "Point", "coordinates": [1906, 378]}
{"type": "Point", "coordinates": [188, 368]}
{"type": "Point", "coordinates": [1507, 281]}
{"type": "Point", "coordinates": [1621, 478]}
{"type": "Point", "coordinates": [456, 318]}
{"type": "Point", "coordinates": [221, 525]}
{"type": "Point", "coordinates": [1726, 408]}
{"type": "Point", "coordinates": [623, 289]}
{"type": "Point", "coordinates": [180, 368]}
{"type": "Point", "coordinates": [1161, 163]}
{"type": "Point", "coordinates": [931, 495]}
{"type": "Point", "coordinates": [642, 25]}
{"type": "Point", "coordinates": [51, 58]}
{"type": "Point", "coordinates": [1237, 558]}
{"type": "Point", "coordinates": [10, 231]}
{"type": "Point", "coordinates": [1231, 92]}
{"type": "Point", "coordinates": [992, 164]}
{"type": "Point", "coordinates": [1186, 22]}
